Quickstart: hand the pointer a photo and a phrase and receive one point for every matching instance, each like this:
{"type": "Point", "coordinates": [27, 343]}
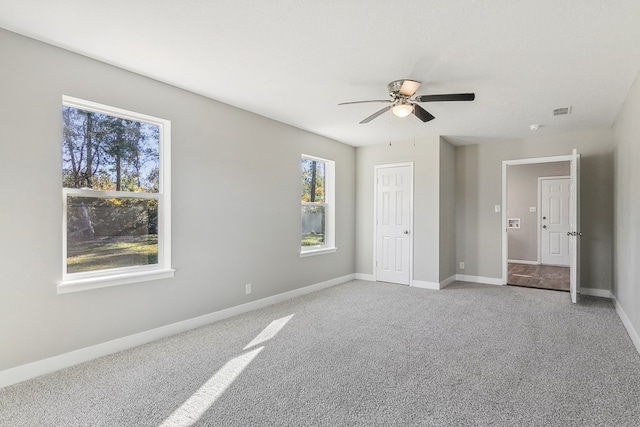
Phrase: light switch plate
{"type": "Point", "coordinates": [532, 209]}
{"type": "Point", "coordinates": [497, 208]}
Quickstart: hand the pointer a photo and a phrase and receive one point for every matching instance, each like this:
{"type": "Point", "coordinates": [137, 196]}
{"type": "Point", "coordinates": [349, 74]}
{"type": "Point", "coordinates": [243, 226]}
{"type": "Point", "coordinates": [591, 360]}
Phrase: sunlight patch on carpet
{"type": "Point", "coordinates": [193, 408]}
{"type": "Point", "coordinates": [269, 332]}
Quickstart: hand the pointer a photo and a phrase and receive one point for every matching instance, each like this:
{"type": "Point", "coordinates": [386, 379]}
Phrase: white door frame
{"type": "Point", "coordinates": [375, 216]}
{"type": "Point", "coordinates": [505, 239]}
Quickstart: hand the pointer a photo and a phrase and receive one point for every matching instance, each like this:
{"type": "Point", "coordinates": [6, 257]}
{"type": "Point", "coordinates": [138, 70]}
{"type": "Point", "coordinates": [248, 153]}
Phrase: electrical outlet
{"type": "Point", "coordinates": [461, 265]}
{"type": "Point", "coordinates": [247, 288]}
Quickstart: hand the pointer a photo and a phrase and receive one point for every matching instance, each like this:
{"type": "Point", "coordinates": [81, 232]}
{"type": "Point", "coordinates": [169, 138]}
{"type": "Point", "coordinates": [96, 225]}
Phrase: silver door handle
{"type": "Point", "coordinates": [406, 231]}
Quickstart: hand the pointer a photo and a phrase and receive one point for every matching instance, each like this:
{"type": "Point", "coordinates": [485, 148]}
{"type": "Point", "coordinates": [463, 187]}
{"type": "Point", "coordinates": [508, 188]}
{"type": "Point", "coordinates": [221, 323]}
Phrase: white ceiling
{"type": "Point", "coordinates": [295, 60]}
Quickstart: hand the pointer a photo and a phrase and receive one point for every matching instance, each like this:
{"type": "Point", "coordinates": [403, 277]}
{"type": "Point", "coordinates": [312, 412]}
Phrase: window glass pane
{"type": "Point", "coordinates": [104, 233]}
{"type": "Point", "coordinates": [313, 179]}
{"type": "Point", "coordinates": [313, 225]}
{"type": "Point", "coordinates": [104, 152]}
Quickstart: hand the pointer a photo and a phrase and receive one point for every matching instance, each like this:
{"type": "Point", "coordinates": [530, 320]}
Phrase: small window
{"type": "Point", "coordinates": [115, 171]}
{"type": "Point", "coordinates": [317, 206]}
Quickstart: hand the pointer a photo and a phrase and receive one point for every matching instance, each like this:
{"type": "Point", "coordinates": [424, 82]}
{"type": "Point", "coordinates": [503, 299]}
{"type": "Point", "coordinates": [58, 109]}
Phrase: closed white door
{"type": "Point", "coordinates": [554, 221]}
{"type": "Point", "coordinates": [394, 193]}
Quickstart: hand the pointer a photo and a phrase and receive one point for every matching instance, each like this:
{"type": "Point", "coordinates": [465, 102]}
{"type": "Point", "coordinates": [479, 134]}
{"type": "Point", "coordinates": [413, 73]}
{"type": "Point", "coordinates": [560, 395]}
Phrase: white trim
{"type": "Point", "coordinates": [82, 281]}
{"type": "Point", "coordinates": [505, 226]}
{"type": "Point", "coordinates": [51, 364]}
{"type": "Point", "coordinates": [433, 285]}
{"type": "Point", "coordinates": [533, 160]}
{"type": "Point", "coordinates": [320, 251]}
{"type": "Point", "coordinates": [633, 334]}
{"type": "Point", "coordinates": [104, 281]}
{"type": "Point", "coordinates": [446, 282]}
{"type": "Point", "coordinates": [521, 261]}
{"type": "Point", "coordinates": [96, 107]}
{"type": "Point", "coordinates": [425, 285]}
{"type": "Point", "coordinates": [375, 215]}
{"type": "Point", "coordinates": [505, 239]}
{"type": "Point", "coordinates": [90, 192]}
{"type": "Point", "coordinates": [479, 279]}
{"type": "Point", "coordinates": [329, 204]}
{"type": "Point", "coordinates": [602, 293]}
{"type": "Point", "coordinates": [367, 277]}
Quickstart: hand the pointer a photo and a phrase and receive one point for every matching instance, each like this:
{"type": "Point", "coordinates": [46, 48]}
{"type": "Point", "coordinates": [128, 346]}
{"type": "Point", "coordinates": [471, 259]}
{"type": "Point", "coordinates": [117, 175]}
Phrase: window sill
{"type": "Point", "coordinates": [314, 252]}
{"type": "Point", "coordinates": [88, 283]}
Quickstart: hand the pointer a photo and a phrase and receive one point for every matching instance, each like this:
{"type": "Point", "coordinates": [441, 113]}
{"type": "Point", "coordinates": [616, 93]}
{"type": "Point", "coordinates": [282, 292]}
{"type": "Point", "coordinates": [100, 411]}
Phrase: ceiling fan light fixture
{"type": "Point", "coordinates": [402, 109]}
{"type": "Point", "coordinates": [409, 87]}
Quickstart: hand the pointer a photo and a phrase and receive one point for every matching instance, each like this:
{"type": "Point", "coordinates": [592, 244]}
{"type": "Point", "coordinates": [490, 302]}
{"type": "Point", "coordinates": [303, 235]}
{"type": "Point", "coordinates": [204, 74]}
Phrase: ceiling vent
{"type": "Point", "coordinates": [562, 111]}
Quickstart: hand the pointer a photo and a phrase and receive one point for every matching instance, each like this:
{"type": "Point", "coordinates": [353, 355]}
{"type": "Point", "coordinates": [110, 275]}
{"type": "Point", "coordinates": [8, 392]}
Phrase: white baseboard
{"type": "Point", "coordinates": [635, 337]}
{"type": "Point", "coordinates": [363, 276]}
{"type": "Point", "coordinates": [520, 261]}
{"type": "Point", "coordinates": [446, 282]}
{"type": "Point", "coordinates": [479, 279]}
{"type": "Point", "coordinates": [425, 285]}
{"type": "Point", "coordinates": [602, 293]}
{"type": "Point", "coordinates": [433, 285]}
{"type": "Point", "coordinates": [51, 364]}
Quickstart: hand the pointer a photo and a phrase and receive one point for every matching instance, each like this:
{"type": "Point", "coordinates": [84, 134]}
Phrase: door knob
{"type": "Point", "coordinates": [544, 226]}
{"type": "Point", "coordinates": [406, 231]}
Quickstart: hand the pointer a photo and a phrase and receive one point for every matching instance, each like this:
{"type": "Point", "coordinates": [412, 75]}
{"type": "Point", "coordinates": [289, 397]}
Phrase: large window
{"type": "Point", "coordinates": [115, 179]}
{"type": "Point", "coordinates": [317, 206]}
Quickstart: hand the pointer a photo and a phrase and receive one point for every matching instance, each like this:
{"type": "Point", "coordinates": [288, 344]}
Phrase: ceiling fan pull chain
{"type": "Point", "coordinates": [389, 129]}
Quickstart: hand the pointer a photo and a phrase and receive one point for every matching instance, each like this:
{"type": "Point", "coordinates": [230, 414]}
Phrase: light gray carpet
{"type": "Point", "coordinates": [365, 354]}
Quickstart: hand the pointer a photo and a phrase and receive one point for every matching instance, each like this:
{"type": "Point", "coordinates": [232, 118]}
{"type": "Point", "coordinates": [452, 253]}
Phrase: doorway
{"type": "Point", "coordinates": [394, 223]}
{"type": "Point", "coordinates": [540, 223]}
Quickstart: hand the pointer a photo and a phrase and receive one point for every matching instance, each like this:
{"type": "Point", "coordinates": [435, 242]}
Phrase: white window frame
{"type": "Point", "coordinates": [329, 203]}
{"type": "Point", "coordinates": [73, 282]}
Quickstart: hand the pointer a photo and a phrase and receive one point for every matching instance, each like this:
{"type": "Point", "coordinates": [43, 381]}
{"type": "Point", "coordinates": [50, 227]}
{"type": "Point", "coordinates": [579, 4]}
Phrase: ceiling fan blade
{"type": "Point", "coordinates": [447, 97]}
{"type": "Point", "coordinates": [409, 87]}
{"type": "Point", "coordinates": [362, 102]}
{"type": "Point", "coordinates": [376, 114]}
{"type": "Point", "coordinates": [422, 114]}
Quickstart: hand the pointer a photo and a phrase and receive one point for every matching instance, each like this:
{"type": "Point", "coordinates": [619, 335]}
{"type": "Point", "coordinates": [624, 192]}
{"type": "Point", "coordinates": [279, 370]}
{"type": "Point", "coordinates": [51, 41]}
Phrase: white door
{"type": "Point", "coordinates": [554, 221]}
{"type": "Point", "coordinates": [575, 232]}
{"type": "Point", "coordinates": [394, 193]}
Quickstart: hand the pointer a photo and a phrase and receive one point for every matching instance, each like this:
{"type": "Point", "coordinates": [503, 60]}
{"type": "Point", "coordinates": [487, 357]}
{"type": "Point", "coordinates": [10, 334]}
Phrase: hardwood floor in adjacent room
{"type": "Point", "coordinates": [539, 276]}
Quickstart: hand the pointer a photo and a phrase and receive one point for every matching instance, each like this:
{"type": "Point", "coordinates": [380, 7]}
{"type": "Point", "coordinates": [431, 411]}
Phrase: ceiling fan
{"type": "Point", "coordinates": [402, 105]}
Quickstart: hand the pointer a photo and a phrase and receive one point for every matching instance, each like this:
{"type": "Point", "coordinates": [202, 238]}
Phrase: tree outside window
{"type": "Point", "coordinates": [111, 178]}
{"type": "Point", "coordinates": [317, 208]}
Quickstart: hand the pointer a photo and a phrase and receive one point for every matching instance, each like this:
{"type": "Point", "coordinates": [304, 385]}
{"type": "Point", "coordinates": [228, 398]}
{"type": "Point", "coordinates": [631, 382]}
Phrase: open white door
{"type": "Point", "coordinates": [574, 234]}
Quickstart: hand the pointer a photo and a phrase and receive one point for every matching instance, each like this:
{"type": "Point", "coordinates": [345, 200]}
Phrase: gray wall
{"type": "Point", "coordinates": [522, 193]}
{"type": "Point", "coordinates": [447, 210]}
{"type": "Point", "coordinates": [233, 171]}
{"type": "Point", "coordinates": [627, 208]}
{"type": "Point", "coordinates": [425, 155]}
{"type": "Point", "coordinates": [479, 188]}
